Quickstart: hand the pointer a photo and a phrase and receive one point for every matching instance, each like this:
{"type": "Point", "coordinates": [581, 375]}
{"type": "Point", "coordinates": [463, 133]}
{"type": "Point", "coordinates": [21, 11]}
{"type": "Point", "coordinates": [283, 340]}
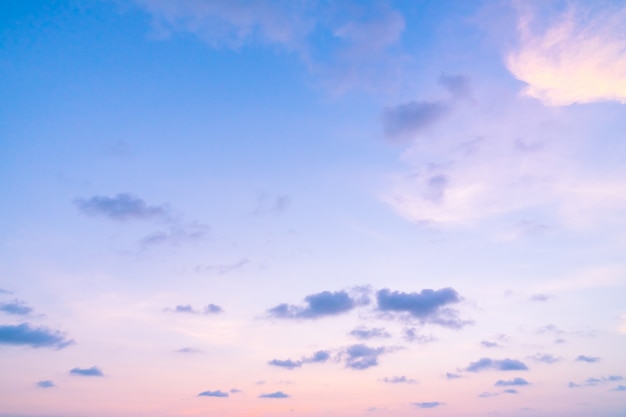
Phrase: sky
{"type": "Point", "coordinates": [256, 208]}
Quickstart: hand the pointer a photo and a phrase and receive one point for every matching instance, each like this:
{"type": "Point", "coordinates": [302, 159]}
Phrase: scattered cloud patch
{"type": "Point", "coordinates": [271, 205]}
{"type": "Point", "coordinates": [544, 358]}
{"type": "Point", "coordinates": [410, 335]}
{"type": "Point", "coordinates": [15, 307]}
{"type": "Point", "coordinates": [428, 404]}
{"type": "Point", "coordinates": [188, 309]}
{"type": "Point", "coordinates": [287, 363]}
{"type": "Point", "coordinates": [365, 333]}
{"type": "Point", "coordinates": [428, 306]}
{"type": "Point", "coordinates": [619, 388]}
{"type": "Point", "coordinates": [45, 384]}
{"type": "Point", "coordinates": [588, 359]}
{"type": "Point", "coordinates": [361, 356]}
{"type": "Point", "coordinates": [515, 382]}
{"type": "Point", "coordinates": [318, 357]}
{"type": "Point", "coordinates": [177, 234]}
{"type": "Point", "coordinates": [540, 297]}
{"type": "Point", "coordinates": [121, 207]}
{"type": "Point", "coordinates": [510, 391]}
{"type": "Point", "coordinates": [450, 375]}
{"type": "Point", "coordinates": [458, 86]}
{"type": "Point", "coordinates": [488, 344]}
{"type": "Point", "coordinates": [93, 371]}
{"type": "Point", "coordinates": [218, 393]}
{"type": "Point", "coordinates": [213, 309]}
{"type": "Point", "coordinates": [25, 335]}
{"type": "Point", "coordinates": [318, 305]}
{"type": "Point", "coordinates": [488, 394]}
{"type": "Point", "coordinates": [277, 394]}
{"type": "Point", "coordinates": [399, 380]}
{"type": "Point", "coordinates": [235, 391]}
{"type": "Point", "coordinates": [496, 364]}
{"type": "Point", "coordinates": [404, 122]}
{"type": "Point", "coordinates": [597, 381]}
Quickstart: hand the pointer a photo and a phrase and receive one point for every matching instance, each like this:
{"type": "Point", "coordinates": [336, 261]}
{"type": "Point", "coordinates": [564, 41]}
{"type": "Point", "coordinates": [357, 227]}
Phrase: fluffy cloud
{"type": "Point", "coordinates": [496, 364]}
{"type": "Point", "coordinates": [24, 334]}
{"type": "Point", "coordinates": [120, 207]}
{"type": "Point", "coordinates": [217, 393]}
{"type": "Point", "coordinates": [511, 383]}
{"type": "Point", "coordinates": [15, 307]}
{"type": "Point", "coordinates": [318, 305]}
{"type": "Point", "coordinates": [579, 57]}
{"type": "Point", "coordinates": [277, 394]}
{"type": "Point", "coordinates": [428, 306]}
{"type": "Point", "coordinates": [93, 371]}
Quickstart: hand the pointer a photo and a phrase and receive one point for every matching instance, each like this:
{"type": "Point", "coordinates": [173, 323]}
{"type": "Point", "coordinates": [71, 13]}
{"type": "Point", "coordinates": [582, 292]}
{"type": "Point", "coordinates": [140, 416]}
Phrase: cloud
{"type": "Point", "coordinates": [488, 344]}
{"type": "Point", "coordinates": [496, 364]}
{"type": "Point", "coordinates": [188, 309]}
{"type": "Point", "coordinates": [450, 375]}
{"type": "Point", "coordinates": [361, 356]}
{"type": "Point", "coordinates": [544, 358]}
{"type": "Point", "coordinates": [217, 393]}
{"type": "Point", "coordinates": [318, 305]}
{"type": "Point", "coordinates": [24, 334]}
{"type": "Point", "coordinates": [511, 382]}
{"type": "Point", "coordinates": [364, 333]}
{"type": "Point", "coordinates": [45, 384]}
{"type": "Point", "coordinates": [271, 205]}
{"type": "Point", "coordinates": [188, 350]}
{"type": "Point", "coordinates": [399, 380]}
{"type": "Point", "coordinates": [540, 297]}
{"type": "Point", "coordinates": [488, 394]}
{"type": "Point", "coordinates": [619, 388]}
{"type": "Point", "coordinates": [15, 307]}
{"type": "Point", "coordinates": [410, 335]}
{"type": "Point", "coordinates": [93, 371]}
{"type": "Point", "coordinates": [588, 359]}
{"type": "Point", "coordinates": [404, 122]}
{"type": "Point", "coordinates": [178, 233]}
{"type": "Point", "coordinates": [428, 306]}
{"type": "Point", "coordinates": [223, 269]}
{"type": "Point", "coordinates": [318, 357]}
{"type": "Point", "coordinates": [578, 57]}
{"type": "Point", "coordinates": [287, 363]}
{"type": "Point", "coordinates": [213, 309]}
{"type": "Point", "coordinates": [277, 394]}
{"type": "Point", "coordinates": [5, 291]}
{"type": "Point", "coordinates": [510, 391]}
{"type": "Point", "coordinates": [431, 404]}
{"type": "Point", "coordinates": [457, 85]}
{"type": "Point", "coordinates": [121, 207]}
{"type": "Point", "coordinates": [597, 381]}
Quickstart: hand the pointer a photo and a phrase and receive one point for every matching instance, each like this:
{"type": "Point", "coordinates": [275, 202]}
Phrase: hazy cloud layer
{"type": "Point", "coordinates": [496, 364]}
{"type": "Point", "coordinates": [36, 337]}
{"type": "Point", "coordinates": [428, 306]}
{"type": "Point", "coordinates": [93, 371]}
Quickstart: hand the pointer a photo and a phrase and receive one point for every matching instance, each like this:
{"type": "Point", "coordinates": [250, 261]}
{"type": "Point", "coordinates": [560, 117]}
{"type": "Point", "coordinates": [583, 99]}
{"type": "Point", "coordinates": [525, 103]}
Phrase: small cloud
{"type": "Point", "coordinates": [318, 357]}
{"type": "Point", "coordinates": [544, 358]}
{"type": "Point", "coordinates": [5, 291]}
{"type": "Point", "coordinates": [188, 309]}
{"type": "Point", "coordinates": [431, 404]}
{"type": "Point", "coordinates": [511, 383]}
{"type": "Point", "coordinates": [93, 371]}
{"type": "Point", "coordinates": [271, 205]}
{"type": "Point", "coordinates": [495, 364]}
{"type": "Point", "coordinates": [235, 391]}
{"type": "Point", "coordinates": [403, 122]}
{"type": "Point", "coordinates": [15, 307]}
{"type": "Point", "coordinates": [45, 384]}
{"type": "Point", "coordinates": [619, 388]}
{"type": "Point", "coordinates": [24, 334]}
{"type": "Point", "coordinates": [399, 380]}
{"type": "Point", "coordinates": [218, 393]}
{"type": "Point", "coordinates": [223, 269]}
{"type": "Point", "coordinates": [450, 375]}
{"type": "Point", "coordinates": [588, 359]}
{"type": "Point", "coordinates": [540, 297]}
{"type": "Point", "coordinates": [510, 391]}
{"type": "Point", "coordinates": [598, 381]}
{"type": "Point", "coordinates": [411, 335]}
{"type": "Point", "coordinates": [488, 394]}
{"type": "Point", "coordinates": [184, 309]}
{"type": "Point", "coordinates": [364, 333]}
{"type": "Point", "coordinates": [488, 344]}
{"type": "Point", "coordinates": [287, 363]}
{"type": "Point", "coordinates": [213, 309]}
{"type": "Point", "coordinates": [187, 350]}
{"type": "Point", "coordinates": [573, 385]}
{"type": "Point", "coordinates": [457, 85]}
{"type": "Point", "coordinates": [550, 328]}
{"type": "Point", "coordinates": [176, 235]}
{"type": "Point", "coordinates": [121, 207]}
{"type": "Point", "coordinates": [428, 306]}
{"type": "Point", "coordinates": [277, 394]}
{"type": "Point", "coordinates": [318, 305]}
{"type": "Point", "coordinates": [361, 356]}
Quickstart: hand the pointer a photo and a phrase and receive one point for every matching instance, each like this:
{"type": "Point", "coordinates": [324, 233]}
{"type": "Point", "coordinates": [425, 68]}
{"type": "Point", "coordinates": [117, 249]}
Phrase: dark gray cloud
{"type": "Point", "coordinates": [277, 394]}
{"type": "Point", "coordinates": [457, 85]}
{"type": "Point", "coordinates": [399, 380]}
{"type": "Point", "coordinates": [364, 333]}
{"type": "Point", "coordinates": [318, 305]}
{"type": "Point", "coordinates": [510, 391]}
{"type": "Point", "coordinates": [287, 363]}
{"type": "Point", "coordinates": [544, 358]}
{"type": "Point", "coordinates": [428, 306]}
{"type": "Point", "coordinates": [588, 359]}
{"type": "Point", "coordinates": [93, 371]}
{"type": "Point", "coordinates": [218, 393]}
{"type": "Point", "coordinates": [15, 307]}
{"type": "Point", "coordinates": [428, 404]}
{"type": "Point", "coordinates": [401, 123]}
{"type": "Point", "coordinates": [410, 335]}
{"type": "Point", "coordinates": [45, 384]}
{"type": "Point", "coordinates": [450, 375]}
{"type": "Point", "coordinates": [496, 364]}
{"type": "Point", "coordinates": [24, 334]}
{"type": "Point", "coordinates": [361, 356]}
{"type": "Point", "coordinates": [511, 382]}
{"type": "Point", "coordinates": [121, 207]}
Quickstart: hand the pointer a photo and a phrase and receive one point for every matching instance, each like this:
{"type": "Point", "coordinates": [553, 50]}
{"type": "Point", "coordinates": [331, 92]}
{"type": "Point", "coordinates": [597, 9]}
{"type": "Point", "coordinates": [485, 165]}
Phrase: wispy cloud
{"type": "Point", "coordinates": [15, 307]}
{"type": "Point", "coordinates": [277, 394]}
{"type": "Point", "coordinates": [451, 375]}
{"type": "Point", "coordinates": [544, 358]}
{"type": "Point", "coordinates": [404, 122]}
{"type": "Point", "coordinates": [410, 334]}
{"type": "Point", "coordinates": [588, 359]}
{"type": "Point", "coordinates": [496, 364]}
{"type": "Point", "coordinates": [218, 393]}
{"type": "Point", "coordinates": [399, 380]}
{"type": "Point", "coordinates": [427, 306]}
{"type": "Point", "coordinates": [365, 333]}
{"type": "Point", "coordinates": [428, 404]}
{"type": "Point", "coordinates": [597, 381]}
{"type": "Point", "coordinates": [318, 305]}
{"type": "Point", "coordinates": [36, 337]}
{"type": "Point", "coordinates": [121, 207]}
{"type": "Point", "coordinates": [189, 309]}
{"type": "Point", "coordinates": [93, 371]}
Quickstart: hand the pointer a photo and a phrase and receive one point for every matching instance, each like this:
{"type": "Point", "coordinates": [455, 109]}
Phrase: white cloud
{"type": "Point", "coordinates": [580, 57]}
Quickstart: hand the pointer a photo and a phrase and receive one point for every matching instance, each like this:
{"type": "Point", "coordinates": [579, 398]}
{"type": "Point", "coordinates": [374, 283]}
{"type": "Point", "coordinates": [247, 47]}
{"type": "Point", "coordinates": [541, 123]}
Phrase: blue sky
{"type": "Point", "coordinates": [356, 208]}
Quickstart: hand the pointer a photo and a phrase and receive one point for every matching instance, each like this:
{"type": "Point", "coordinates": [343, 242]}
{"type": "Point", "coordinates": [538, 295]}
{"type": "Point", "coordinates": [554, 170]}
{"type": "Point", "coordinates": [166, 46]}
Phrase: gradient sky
{"type": "Point", "coordinates": [312, 208]}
